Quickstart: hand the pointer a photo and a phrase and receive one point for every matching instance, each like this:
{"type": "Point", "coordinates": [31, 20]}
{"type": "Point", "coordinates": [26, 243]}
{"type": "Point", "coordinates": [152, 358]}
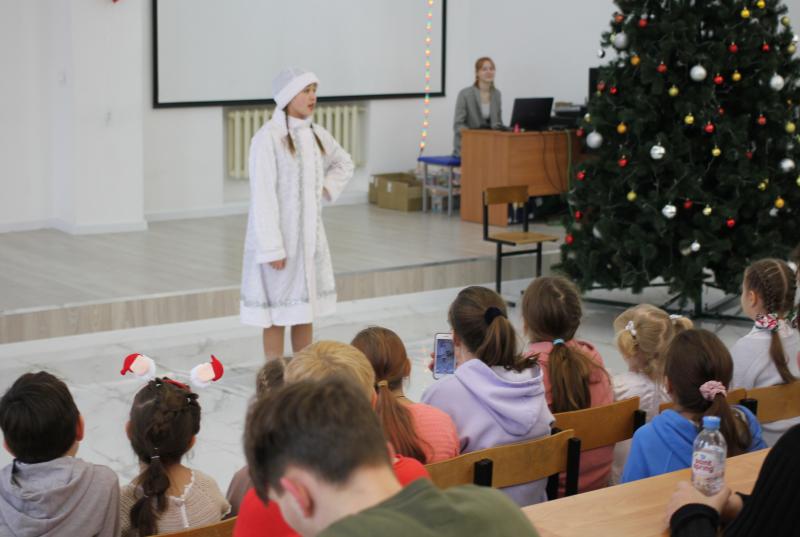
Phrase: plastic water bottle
{"type": "Point", "coordinates": [708, 458]}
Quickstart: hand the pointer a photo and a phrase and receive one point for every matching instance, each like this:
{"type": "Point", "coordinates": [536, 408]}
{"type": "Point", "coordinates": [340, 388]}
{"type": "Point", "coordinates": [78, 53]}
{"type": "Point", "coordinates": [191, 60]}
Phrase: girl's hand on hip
{"type": "Point", "coordinates": [278, 265]}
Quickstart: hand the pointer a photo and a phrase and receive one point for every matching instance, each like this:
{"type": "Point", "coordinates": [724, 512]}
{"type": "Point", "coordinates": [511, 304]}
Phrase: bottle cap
{"type": "Point", "coordinates": [710, 422]}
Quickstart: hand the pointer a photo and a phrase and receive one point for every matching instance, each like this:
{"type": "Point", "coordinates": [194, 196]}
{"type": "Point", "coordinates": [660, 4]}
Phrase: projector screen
{"type": "Point", "coordinates": [226, 52]}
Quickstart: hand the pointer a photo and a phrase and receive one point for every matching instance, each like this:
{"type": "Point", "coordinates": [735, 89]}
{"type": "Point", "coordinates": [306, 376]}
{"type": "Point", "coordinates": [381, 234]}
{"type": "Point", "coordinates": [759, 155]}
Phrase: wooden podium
{"type": "Point", "coordinates": [500, 158]}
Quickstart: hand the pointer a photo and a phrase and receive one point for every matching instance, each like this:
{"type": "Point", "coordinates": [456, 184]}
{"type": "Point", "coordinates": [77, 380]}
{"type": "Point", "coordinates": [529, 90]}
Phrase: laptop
{"type": "Point", "coordinates": [531, 114]}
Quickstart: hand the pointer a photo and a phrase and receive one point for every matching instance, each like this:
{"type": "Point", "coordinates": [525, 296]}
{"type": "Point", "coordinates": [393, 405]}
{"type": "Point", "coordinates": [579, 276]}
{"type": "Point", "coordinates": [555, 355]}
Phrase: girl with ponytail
{"type": "Point", "coordinates": [494, 397]}
{"type": "Point", "coordinates": [698, 370]}
{"type": "Point", "coordinates": [767, 355]}
{"type": "Point", "coordinates": [415, 430]}
{"type": "Point", "coordinates": [574, 374]}
{"type": "Point", "coordinates": [166, 496]}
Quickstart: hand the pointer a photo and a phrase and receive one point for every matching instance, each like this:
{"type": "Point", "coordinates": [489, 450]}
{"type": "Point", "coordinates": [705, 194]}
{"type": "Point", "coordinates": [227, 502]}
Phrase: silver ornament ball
{"type": "Point", "coordinates": [601, 53]}
{"type": "Point", "coordinates": [698, 73]}
{"type": "Point", "coordinates": [787, 165]}
{"type": "Point", "coordinates": [773, 212]}
{"type": "Point", "coordinates": [621, 41]}
{"type": "Point", "coordinates": [597, 234]}
{"type": "Point", "coordinates": [594, 139]}
{"type": "Point", "coordinates": [657, 152]}
{"type": "Point", "coordinates": [669, 211]}
{"type": "Point", "coordinates": [777, 82]}
{"type": "Point", "coordinates": [695, 246]}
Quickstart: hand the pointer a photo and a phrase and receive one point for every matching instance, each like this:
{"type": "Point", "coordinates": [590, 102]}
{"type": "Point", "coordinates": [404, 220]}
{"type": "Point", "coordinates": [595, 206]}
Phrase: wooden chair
{"type": "Point", "coordinates": [223, 528]}
{"type": "Point", "coordinates": [505, 195]}
{"type": "Point", "coordinates": [603, 425]}
{"type": "Point", "coordinates": [514, 464]}
{"type": "Point", "coordinates": [734, 397]}
{"type": "Point", "coordinates": [774, 403]}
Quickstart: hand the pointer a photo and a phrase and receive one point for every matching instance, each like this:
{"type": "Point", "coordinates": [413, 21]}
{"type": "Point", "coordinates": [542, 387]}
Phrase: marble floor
{"type": "Point", "coordinates": [90, 365]}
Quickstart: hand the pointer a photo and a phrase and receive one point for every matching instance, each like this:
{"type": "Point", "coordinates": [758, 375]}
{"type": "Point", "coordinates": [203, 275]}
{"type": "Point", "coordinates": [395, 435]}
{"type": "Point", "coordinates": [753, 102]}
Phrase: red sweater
{"type": "Point", "coordinates": [256, 519]}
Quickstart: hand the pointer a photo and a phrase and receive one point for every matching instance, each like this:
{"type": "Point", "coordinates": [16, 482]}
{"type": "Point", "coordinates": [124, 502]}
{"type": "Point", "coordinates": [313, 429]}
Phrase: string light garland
{"type": "Point", "coordinates": [427, 100]}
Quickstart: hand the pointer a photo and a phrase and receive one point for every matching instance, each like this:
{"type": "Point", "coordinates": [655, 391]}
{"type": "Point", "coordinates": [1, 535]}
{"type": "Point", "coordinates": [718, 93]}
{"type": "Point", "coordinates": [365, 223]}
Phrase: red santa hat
{"type": "Point", "coordinates": [204, 374]}
{"type": "Point", "coordinates": [140, 365]}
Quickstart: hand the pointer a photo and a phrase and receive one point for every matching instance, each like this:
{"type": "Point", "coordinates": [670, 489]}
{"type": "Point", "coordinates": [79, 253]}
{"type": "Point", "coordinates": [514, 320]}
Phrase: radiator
{"type": "Point", "coordinates": [342, 121]}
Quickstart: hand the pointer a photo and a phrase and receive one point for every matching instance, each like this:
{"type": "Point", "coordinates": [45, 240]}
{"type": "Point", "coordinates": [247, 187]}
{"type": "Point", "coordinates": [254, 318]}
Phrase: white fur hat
{"type": "Point", "coordinates": [289, 83]}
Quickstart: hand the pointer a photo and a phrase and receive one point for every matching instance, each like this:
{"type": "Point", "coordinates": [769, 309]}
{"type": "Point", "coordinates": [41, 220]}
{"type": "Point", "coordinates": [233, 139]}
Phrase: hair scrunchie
{"type": "Point", "coordinates": [491, 314]}
{"type": "Point", "coordinates": [558, 341]}
{"type": "Point", "coordinates": [710, 389]}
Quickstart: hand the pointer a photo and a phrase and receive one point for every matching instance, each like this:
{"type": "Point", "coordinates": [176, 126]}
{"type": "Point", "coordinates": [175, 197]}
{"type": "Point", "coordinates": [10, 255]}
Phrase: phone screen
{"type": "Point", "coordinates": [444, 358]}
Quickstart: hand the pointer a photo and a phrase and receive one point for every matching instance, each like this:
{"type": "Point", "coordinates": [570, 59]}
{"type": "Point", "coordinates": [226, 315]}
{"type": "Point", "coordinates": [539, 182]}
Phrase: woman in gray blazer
{"type": "Point", "coordinates": [479, 105]}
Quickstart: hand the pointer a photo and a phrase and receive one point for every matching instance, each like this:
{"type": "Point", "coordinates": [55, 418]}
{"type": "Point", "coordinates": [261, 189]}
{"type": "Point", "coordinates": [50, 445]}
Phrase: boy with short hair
{"type": "Point", "coordinates": [317, 449]}
{"type": "Point", "coordinates": [46, 491]}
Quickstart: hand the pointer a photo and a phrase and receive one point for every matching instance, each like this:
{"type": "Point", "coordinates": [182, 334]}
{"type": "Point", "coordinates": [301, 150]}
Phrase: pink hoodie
{"type": "Point", "coordinates": [595, 464]}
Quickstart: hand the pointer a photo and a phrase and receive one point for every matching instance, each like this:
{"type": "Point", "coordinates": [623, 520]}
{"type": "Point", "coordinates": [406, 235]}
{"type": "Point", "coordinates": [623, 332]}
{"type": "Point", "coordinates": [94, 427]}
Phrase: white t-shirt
{"type": "Point", "coordinates": [753, 368]}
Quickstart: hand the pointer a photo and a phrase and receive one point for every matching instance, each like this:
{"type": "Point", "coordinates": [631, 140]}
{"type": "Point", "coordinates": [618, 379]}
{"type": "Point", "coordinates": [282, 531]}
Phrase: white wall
{"type": "Point", "coordinates": [81, 147]}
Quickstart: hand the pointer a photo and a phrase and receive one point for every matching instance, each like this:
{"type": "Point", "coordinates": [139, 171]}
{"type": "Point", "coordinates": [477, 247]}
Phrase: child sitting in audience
{"type": "Point", "coordinates": [642, 335]}
{"type": "Point", "coordinates": [415, 429]}
{"type": "Point", "coordinates": [322, 361]}
{"type": "Point", "coordinates": [495, 397]}
{"type": "Point", "coordinates": [771, 509]}
{"type": "Point", "coordinates": [167, 496]}
{"type": "Point", "coordinates": [574, 374]}
{"type": "Point", "coordinates": [316, 449]}
{"type": "Point", "coordinates": [46, 491]}
{"type": "Point", "coordinates": [767, 355]}
{"type": "Point", "coordinates": [698, 368]}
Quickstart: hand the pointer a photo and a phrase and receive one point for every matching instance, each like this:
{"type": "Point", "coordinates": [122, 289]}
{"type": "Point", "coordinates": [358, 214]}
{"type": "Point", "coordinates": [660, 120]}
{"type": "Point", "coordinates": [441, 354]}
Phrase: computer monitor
{"type": "Point", "coordinates": [531, 114]}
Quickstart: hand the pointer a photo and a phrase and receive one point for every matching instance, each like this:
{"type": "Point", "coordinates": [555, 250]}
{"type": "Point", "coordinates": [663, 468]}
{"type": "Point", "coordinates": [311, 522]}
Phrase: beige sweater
{"type": "Point", "coordinates": [201, 503]}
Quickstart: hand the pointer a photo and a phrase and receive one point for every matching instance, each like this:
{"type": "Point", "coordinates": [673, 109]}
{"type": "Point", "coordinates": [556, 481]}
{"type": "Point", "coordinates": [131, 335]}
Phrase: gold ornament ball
{"type": "Point", "coordinates": [631, 196]}
{"type": "Point", "coordinates": [622, 128]}
{"type": "Point", "coordinates": [716, 151]}
{"type": "Point", "coordinates": [786, 21]}
{"type": "Point", "coordinates": [791, 49]}
{"type": "Point", "coordinates": [707, 211]}
{"type": "Point", "coordinates": [736, 76]}
{"type": "Point", "coordinates": [635, 60]}
{"type": "Point", "coordinates": [745, 13]}
{"type": "Point", "coordinates": [798, 180]}
{"type": "Point", "coordinates": [790, 127]}
{"type": "Point", "coordinates": [689, 119]}
{"type": "Point", "coordinates": [674, 91]}
{"type": "Point", "coordinates": [762, 186]}
{"type": "Point", "coordinates": [779, 203]}
{"type": "Point", "coordinates": [761, 4]}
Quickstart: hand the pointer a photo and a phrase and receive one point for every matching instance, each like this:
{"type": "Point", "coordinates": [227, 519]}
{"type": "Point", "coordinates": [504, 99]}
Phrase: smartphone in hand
{"type": "Point", "coordinates": [444, 359]}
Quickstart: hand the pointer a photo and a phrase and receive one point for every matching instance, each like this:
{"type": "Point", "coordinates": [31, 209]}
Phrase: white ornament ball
{"type": "Point", "coordinates": [686, 251]}
{"type": "Point", "coordinates": [669, 211]}
{"type": "Point", "coordinates": [597, 234]}
{"type": "Point", "coordinates": [601, 53]}
{"type": "Point", "coordinates": [776, 82]}
{"type": "Point", "coordinates": [695, 246]}
{"type": "Point", "coordinates": [795, 38]}
{"type": "Point", "coordinates": [657, 152]}
{"type": "Point", "coordinates": [621, 41]}
{"type": "Point", "coordinates": [698, 73]}
{"type": "Point", "coordinates": [773, 212]}
{"type": "Point", "coordinates": [787, 165]}
{"type": "Point", "coordinates": [594, 139]}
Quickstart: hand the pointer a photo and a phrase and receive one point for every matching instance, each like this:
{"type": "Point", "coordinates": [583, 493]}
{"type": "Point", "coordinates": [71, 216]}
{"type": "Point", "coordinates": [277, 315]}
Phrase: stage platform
{"type": "Point", "coordinates": [53, 284]}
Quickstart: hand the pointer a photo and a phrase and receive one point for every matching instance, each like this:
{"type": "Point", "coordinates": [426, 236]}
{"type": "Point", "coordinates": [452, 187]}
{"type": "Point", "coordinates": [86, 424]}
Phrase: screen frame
{"type": "Point", "coordinates": [246, 102]}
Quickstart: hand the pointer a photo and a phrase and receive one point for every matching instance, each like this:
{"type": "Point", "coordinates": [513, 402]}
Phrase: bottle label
{"type": "Point", "coordinates": [708, 470]}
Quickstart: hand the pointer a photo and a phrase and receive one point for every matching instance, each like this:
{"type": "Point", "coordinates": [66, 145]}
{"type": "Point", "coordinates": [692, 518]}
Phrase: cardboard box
{"type": "Point", "coordinates": [398, 191]}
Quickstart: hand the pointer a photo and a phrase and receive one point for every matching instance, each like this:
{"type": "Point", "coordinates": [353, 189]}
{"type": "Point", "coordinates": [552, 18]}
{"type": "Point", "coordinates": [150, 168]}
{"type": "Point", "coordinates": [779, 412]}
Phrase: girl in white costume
{"type": "Point", "coordinates": [287, 276]}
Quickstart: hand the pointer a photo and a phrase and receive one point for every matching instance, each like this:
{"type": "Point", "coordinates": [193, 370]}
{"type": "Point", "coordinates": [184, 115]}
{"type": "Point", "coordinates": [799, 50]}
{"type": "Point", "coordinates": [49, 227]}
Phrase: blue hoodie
{"type": "Point", "coordinates": [492, 406]}
{"type": "Point", "coordinates": [665, 445]}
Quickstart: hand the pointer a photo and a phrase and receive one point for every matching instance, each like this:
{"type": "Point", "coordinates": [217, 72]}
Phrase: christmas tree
{"type": "Point", "coordinates": [691, 170]}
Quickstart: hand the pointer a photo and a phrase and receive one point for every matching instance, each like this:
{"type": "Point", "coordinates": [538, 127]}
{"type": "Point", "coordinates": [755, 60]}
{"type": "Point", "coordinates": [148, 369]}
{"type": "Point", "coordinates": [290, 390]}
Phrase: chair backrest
{"type": "Point", "coordinates": [505, 194]}
{"type": "Point", "coordinates": [603, 425]}
{"type": "Point", "coordinates": [223, 528]}
{"type": "Point", "coordinates": [775, 403]}
{"type": "Point", "coordinates": [512, 464]}
{"type": "Point", "coordinates": [734, 397]}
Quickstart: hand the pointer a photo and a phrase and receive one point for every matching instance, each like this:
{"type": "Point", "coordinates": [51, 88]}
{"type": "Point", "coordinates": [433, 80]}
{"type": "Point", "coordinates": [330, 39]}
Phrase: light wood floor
{"type": "Point", "coordinates": [47, 268]}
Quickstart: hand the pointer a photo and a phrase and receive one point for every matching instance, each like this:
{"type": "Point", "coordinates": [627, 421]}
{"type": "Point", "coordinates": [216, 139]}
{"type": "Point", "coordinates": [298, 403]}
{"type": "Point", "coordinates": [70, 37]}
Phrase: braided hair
{"type": "Point", "coordinates": [164, 419]}
{"type": "Point", "coordinates": [773, 281]}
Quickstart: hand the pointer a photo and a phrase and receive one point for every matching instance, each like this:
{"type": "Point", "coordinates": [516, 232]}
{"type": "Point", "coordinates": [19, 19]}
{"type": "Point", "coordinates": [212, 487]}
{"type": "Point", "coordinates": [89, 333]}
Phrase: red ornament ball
{"type": "Point", "coordinates": [687, 204]}
{"type": "Point", "coordinates": [622, 162]}
{"type": "Point", "coordinates": [569, 239]}
{"type": "Point", "coordinates": [662, 68]}
{"type": "Point", "coordinates": [613, 90]}
{"type": "Point", "coordinates": [709, 128]}
{"type": "Point", "coordinates": [580, 132]}
{"type": "Point", "coordinates": [601, 86]}
{"type": "Point", "coordinates": [730, 223]}
{"type": "Point", "coordinates": [721, 111]}
{"type": "Point", "coordinates": [578, 215]}
{"type": "Point", "coordinates": [765, 47]}
{"type": "Point", "coordinates": [643, 22]}
{"type": "Point", "coordinates": [733, 48]}
{"type": "Point", "coordinates": [619, 18]}
{"type": "Point", "coordinates": [749, 154]}
{"type": "Point", "coordinates": [580, 176]}
{"type": "Point", "coordinates": [761, 120]}
{"type": "Point", "coordinates": [718, 80]}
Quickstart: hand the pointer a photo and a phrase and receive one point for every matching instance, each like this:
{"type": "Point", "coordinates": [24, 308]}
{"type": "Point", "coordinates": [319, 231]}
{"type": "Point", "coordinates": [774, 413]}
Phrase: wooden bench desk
{"type": "Point", "coordinates": [635, 509]}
